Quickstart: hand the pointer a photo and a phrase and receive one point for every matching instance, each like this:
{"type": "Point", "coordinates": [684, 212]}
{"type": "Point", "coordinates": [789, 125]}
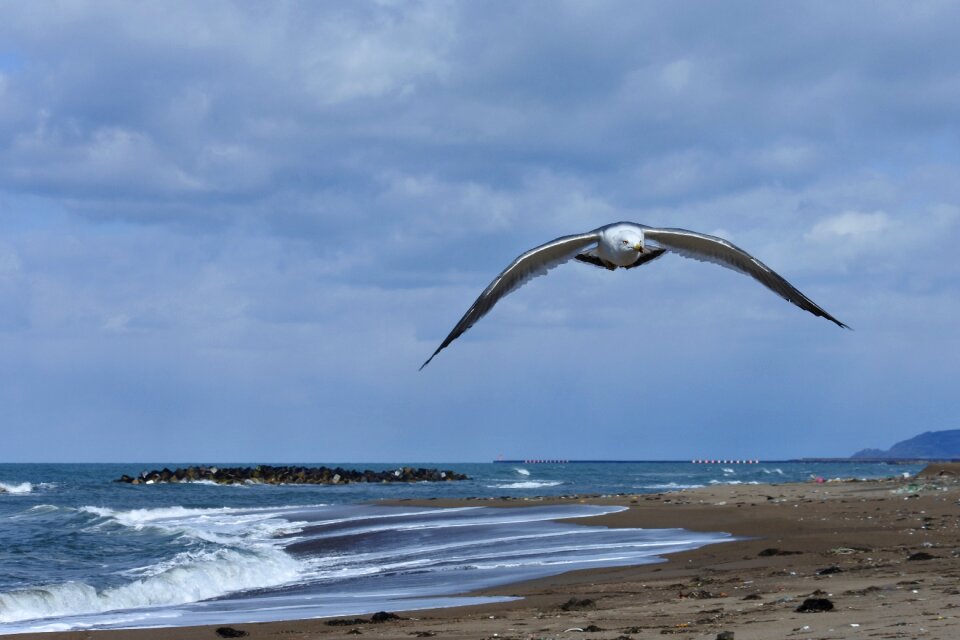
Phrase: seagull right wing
{"type": "Point", "coordinates": [531, 264]}
{"type": "Point", "coordinates": [701, 246]}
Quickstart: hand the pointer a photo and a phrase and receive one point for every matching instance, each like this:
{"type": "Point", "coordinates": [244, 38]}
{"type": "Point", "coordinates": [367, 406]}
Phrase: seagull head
{"type": "Point", "coordinates": [630, 240]}
{"type": "Point", "coordinates": [621, 244]}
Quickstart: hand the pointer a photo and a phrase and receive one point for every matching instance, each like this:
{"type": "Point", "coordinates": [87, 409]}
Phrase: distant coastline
{"type": "Point", "coordinates": [730, 461]}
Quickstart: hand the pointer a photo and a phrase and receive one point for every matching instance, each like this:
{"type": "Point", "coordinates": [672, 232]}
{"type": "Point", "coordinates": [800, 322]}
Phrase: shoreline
{"type": "Point", "coordinates": [858, 544]}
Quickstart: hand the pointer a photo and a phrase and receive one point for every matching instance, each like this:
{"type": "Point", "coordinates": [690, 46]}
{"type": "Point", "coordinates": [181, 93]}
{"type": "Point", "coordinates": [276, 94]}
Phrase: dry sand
{"type": "Point", "coordinates": [885, 554]}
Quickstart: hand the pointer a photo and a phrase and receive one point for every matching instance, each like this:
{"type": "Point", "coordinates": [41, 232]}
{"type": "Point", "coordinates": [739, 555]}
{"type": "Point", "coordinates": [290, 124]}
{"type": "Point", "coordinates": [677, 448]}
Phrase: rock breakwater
{"type": "Point", "coordinates": [265, 474]}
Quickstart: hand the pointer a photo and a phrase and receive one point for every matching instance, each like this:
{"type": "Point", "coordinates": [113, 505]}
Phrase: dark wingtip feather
{"type": "Point", "coordinates": [829, 317]}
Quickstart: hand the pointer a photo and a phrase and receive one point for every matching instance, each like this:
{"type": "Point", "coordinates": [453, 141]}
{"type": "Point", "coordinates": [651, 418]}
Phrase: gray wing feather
{"type": "Point", "coordinates": [706, 248]}
{"type": "Point", "coordinates": [531, 264]}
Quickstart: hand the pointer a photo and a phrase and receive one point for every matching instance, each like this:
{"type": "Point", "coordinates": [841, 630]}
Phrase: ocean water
{"type": "Point", "coordinates": [79, 551]}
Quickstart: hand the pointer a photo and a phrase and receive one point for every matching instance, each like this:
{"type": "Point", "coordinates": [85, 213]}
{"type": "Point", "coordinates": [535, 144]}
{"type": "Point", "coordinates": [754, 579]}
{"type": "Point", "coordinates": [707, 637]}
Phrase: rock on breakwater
{"type": "Point", "coordinates": [266, 474]}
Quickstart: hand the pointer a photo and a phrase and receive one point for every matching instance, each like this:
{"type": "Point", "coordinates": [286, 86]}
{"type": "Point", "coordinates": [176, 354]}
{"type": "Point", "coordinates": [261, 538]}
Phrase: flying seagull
{"type": "Point", "coordinates": [627, 245]}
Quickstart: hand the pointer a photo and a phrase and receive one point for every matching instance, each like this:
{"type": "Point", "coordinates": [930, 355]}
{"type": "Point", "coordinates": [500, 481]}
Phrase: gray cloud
{"type": "Point", "coordinates": [238, 214]}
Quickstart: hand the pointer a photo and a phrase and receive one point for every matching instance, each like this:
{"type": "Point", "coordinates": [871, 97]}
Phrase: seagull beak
{"type": "Point", "coordinates": [638, 247]}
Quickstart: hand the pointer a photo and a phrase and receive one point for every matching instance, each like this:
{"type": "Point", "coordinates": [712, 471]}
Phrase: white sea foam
{"type": "Point", "coordinates": [187, 578]}
{"type": "Point", "coordinates": [522, 471]}
{"type": "Point", "coordinates": [23, 487]}
{"type": "Point", "coordinates": [529, 484]}
{"type": "Point", "coordinates": [669, 486]}
{"type": "Point", "coordinates": [246, 555]}
{"type": "Point", "coordinates": [777, 471]}
{"type": "Point", "coordinates": [728, 471]}
{"type": "Point", "coordinates": [221, 525]}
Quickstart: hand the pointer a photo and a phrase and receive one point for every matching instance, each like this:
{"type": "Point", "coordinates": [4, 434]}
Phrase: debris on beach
{"type": "Point", "coordinates": [378, 618]}
{"type": "Point", "coordinates": [573, 604]}
{"type": "Point", "coordinates": [826, 571]}
{"type": "Point", "coordinates": [815, 605]}
{"type": "Point", "coordinates": [777, 552]}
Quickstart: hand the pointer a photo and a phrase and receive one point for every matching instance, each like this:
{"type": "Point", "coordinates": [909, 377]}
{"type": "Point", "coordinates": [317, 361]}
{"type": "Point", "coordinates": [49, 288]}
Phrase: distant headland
{"type": "Point", "coordinates": [931, 445]}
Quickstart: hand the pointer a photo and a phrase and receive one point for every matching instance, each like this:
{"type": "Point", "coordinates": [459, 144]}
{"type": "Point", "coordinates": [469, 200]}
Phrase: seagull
{"type": "Point", "coordinates": [627, 245]}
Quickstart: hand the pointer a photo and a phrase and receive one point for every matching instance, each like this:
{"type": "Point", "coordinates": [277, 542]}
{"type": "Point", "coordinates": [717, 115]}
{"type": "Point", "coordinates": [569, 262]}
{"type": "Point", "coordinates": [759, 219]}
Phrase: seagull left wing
{"type": "Point", "coordinates": [531, 264]}
{"type": "Point", "coordinates": [701, 246]}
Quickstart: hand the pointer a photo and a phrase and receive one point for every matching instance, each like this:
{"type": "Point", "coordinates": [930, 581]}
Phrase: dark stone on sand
{"type": "Point", "coordinates": [592, 628]}
{"type": "Point", "coordinates": [384, 616]}
{"type": "Point", "coordinates": [266, 474]}
{"type": "Point", "coordinates": [921, 555]}
{"type": "Point", "coordinates": [725, 635]}
{"type": "Point", "coordinates": [815, 605]}
{"type": "Point", "coordinates": [773, 551]}
{"type": "Point", "coordinates": [753, 596]}
{"type": "Point", "coordinates": [230, 632]}
{"type": "Point", "coordinates": [829, 570]}
{"type": "Point", "coordinates": [344, 622]}
{"type": "Point", "coordinates": [377, 618]}
{"type": "Point", "coordinates": [573, 604]}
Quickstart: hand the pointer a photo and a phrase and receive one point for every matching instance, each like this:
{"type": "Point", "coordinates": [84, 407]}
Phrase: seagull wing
{"type": "Point", "coordinates": [700, 246]}
{"type": "Point", "coordinates": [531, 264]}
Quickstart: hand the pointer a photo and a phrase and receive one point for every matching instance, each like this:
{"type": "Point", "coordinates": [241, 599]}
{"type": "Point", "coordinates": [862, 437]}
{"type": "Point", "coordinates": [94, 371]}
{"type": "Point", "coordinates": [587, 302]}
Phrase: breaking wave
{"type": "Point", "coordinates": [189, 577]}
{"type": "Point", "coordinates": [232, 550]}
{"type": "Point", "coordinates": [23, 487]}
{"type": "Point", "coordinates": [669, 486]}
{"type": "Point", "coordinates": [527, 484]}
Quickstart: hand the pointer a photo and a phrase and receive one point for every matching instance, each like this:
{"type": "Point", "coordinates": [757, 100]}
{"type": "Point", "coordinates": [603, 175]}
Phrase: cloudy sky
{"type": "Point", "coordinates": [233, 231]}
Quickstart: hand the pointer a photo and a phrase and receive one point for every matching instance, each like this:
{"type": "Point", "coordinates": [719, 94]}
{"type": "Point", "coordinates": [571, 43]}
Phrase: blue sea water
{"type": "Point", "coordinates": [79, 551]}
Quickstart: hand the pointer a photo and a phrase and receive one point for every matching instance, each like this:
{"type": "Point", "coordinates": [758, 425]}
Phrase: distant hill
{"type": "Point", "coordinates": [938, 445]}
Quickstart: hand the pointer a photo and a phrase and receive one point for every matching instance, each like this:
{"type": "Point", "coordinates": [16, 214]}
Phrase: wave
{"type": "Point", "coordinates": [733, 482]}
{"type": "Point", "coordinates": [522, 471]}
{"type": "Point", "coordinates": [669, 486]}
{"type": "Point", "coordinates": [528, 484]}
{"type": "Point", "coordinates": [222, 525]}
{"type": "Point", "coordinates": [229, 550]}
{"type": "Point", "coordinates": [777, 471]}
{"type": "Point", "coordinates": [190, 577]}
{"type": "Point", "coordinates": [23, 487]}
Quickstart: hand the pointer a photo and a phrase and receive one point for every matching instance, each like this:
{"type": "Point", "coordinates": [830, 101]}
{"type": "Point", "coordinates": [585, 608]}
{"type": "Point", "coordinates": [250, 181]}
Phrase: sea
{"type": "Point", "coordinates": [80, 551]}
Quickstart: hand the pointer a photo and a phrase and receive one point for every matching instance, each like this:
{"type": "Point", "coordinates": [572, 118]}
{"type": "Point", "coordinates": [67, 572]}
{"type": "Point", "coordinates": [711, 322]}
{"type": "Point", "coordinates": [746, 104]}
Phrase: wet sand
{"type": "Point", "coordinates": [884, 554]}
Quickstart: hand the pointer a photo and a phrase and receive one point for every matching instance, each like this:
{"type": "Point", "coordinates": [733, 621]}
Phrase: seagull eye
{"type": "Point", "coordinates": [626, 242]}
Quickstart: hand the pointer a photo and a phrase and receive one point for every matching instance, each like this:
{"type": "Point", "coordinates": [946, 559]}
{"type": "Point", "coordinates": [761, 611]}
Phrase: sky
{"type": "Point", "coordinates": [233, 231]}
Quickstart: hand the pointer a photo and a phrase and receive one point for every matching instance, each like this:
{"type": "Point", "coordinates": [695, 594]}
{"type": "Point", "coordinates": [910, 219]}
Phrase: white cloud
{"type": "Point", "coordinates": [676, 74]}
{"type": "Point", "coordinates": [853, 226]}
{"type": "Point", "coordinates": [272, 195]}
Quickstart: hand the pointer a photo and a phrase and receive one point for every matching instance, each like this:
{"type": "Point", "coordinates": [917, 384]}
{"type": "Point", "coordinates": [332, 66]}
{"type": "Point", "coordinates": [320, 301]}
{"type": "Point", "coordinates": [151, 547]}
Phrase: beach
{"type": "Point", "coordinates": [881, 555]}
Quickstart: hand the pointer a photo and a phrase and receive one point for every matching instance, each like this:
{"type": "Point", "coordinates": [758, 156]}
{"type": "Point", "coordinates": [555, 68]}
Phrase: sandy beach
{"type": "Point", "coordinates": [868, 559]}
